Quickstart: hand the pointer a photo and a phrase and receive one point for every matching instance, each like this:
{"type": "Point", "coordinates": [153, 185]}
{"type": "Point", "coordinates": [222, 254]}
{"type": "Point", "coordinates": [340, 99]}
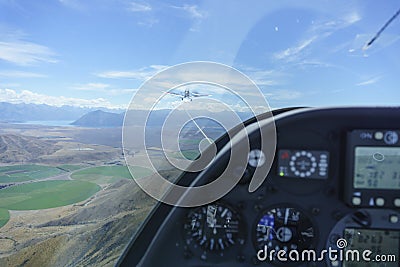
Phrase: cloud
{"type": "Point", "coordinates": [282, 95]}
{"type": "Point", "coordinates": [29, 97]}
{"type": "Point", "coordinates": [143, 13]}
{"type": "Point", "coordinates": [130, 6]}
{"type": "Point", "coordinates": [327, 27]}
{"type": "Point", "coordinates": [150, 22]}
{"type": "Point", "coordinates": [91, 87]}
{"type": "Point", "coordinates": [352, 18]}
{"type": "Point", "coordinates": [25, 53]}
{"type": "Point", "coordinates": [194, 13]}
{"type": "Point", "coordinates": [319, 30]}
{"type": "Point", "coordinates": [139, 7]}
{"type": "Point", "coordinates": [122, 91]}
{"type": "Point", "coordinates": [369, 81]}
{"type": "Point", "coordinates": [104, 88]}
{"type": "Point", "coordinates": [21, 74]}
{"type": "Point", "coordinates": [141, 74]}
{"type": "Point", "coordinates": [222, 83]}
{"type": "Point", "coordinates": [292, 53]}
{"type": "Point", "coordinates": [263, 77]}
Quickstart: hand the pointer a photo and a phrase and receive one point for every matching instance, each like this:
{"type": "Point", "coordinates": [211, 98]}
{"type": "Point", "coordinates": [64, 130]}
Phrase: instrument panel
{"type": "Point", "coordinates": [303, 164]}
{"type": "Point", "coordinates": [334, 185]}
{"type": "Point", "coordinates": [212, 229]}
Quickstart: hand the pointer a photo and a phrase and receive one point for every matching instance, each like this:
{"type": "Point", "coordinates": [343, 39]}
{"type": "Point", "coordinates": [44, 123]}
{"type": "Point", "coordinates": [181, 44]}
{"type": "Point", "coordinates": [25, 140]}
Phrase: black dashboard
{"type": "Point", "coordinates": [334, 186]}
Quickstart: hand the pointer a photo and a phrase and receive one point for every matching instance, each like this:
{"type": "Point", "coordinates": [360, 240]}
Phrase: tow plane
{"type": "Point", "coordinates": [187, 95]}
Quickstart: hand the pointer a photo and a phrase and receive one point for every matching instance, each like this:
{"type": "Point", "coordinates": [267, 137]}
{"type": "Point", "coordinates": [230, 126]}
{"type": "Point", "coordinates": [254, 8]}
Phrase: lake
{"type": "Point", "coordinates": [49, 123]}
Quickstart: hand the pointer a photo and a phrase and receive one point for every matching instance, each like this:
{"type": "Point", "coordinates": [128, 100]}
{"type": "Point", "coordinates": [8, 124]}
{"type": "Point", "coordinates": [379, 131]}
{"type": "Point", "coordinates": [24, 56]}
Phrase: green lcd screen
{"type": "Point", "coordinates": [377, 168]}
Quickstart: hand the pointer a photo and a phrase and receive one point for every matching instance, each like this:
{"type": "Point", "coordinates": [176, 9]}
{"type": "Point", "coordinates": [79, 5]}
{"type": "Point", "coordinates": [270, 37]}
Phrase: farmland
{"type": "Point", "coordinates": [109, 174]}
{"type": "Point", "coordinates": [21, 173]}
{"type": "Point", "coordinates": [61, 190]}
{"type": "Point", "coordinates": [35, 193]}
{"type": "Point", "coordinates": [37, 187]}
{"type": "Point", "coordinates": [47, 194]}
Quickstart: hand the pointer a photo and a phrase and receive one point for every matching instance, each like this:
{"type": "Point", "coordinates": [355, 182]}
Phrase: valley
{"type": "Point", "coordinates": [66, 199]}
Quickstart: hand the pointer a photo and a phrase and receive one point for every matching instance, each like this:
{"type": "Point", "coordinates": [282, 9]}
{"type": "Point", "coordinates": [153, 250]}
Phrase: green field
{"type": "Point", "coordinates": [56, 193]}
{"type": "Point", "coordinates": [140, 172]}
{"type": "Point", "coordinates": [69, 167]}
{"type": "Point", "coordinates": [4, 217]}
{"type": "Point", "coordinates": [187, 154]}
{"type": "Point", "coordinates": [109, 174]}
{"type": "Point", "coordinates": [189, 141]}
{"type": "Point", "coordinates": [20, 173]}
{"type": "Point", "coordinates": [47, 194]}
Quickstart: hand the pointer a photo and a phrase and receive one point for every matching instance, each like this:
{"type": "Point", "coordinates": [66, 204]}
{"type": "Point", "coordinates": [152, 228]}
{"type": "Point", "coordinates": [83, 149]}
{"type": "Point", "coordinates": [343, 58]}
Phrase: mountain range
{"type": "Point", "coordinates": [155, 118]}
{"type": "Point", "coordinates": [98, 117]}
{"type": "Point", "coordinates": [22, 112]}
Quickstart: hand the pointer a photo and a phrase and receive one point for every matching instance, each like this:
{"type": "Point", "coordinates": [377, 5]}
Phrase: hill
{"type": "Point", "coordinates": [17, 148]}
{"type": "Point", "coordinates": [100, 118]}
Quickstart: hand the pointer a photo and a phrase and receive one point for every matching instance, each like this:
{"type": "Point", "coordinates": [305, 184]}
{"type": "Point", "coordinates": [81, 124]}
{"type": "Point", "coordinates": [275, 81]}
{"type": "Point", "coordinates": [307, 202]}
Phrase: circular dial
{"type": "Point", "coordinates": [303, 164]}
{"type": "Point", "coordinates": [214, 227]}
{"type": "Point", "coordinates": [256, 158]}
{"type": "Point", "coordinates": [284, 228]}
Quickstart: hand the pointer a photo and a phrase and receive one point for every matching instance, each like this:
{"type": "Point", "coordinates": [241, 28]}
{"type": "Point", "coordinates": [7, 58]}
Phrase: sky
{"type": "Point", "coordinates": [98, 53]}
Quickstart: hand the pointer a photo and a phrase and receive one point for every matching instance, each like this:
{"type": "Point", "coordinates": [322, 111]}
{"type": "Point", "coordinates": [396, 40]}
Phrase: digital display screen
{"type": "Point", "coordinates": [379, 242]}
{"type": "Point", "coordinates": [377, 168]}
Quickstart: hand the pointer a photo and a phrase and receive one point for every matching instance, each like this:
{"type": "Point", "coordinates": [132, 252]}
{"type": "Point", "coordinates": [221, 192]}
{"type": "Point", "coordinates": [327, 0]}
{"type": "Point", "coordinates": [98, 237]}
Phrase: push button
{"type": "Point", "coordinates": [393, 219]}
{"type": "Point", "coordinates": [397, 202]}
{"type": "Point", "coordinates": [378, 135]}
{"type": "Point", "coordinates": [379, 201]}
{"type": "Point", "coordinates": [356, 201]}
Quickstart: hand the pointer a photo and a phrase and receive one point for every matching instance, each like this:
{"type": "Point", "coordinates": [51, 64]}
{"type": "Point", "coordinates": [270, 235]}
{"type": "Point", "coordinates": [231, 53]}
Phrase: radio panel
{"type": "Point", "coordinates": [373, 168]}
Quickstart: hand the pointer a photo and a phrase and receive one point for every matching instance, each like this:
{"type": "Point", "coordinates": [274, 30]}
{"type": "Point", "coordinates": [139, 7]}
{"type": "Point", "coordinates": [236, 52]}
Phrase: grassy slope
{"type": "Point", "coordinates": [21, 173]}
{"type": "Point", "coordinates": [109, 174]}
{"type": "Point", "coordinates": [4, 217]}
{"type": "Point", "coordinates": [186, 154]}
{"type": "Point", "coordinates": [70, 167]}
{"type": "Point", "coordinates": [48, 194]}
